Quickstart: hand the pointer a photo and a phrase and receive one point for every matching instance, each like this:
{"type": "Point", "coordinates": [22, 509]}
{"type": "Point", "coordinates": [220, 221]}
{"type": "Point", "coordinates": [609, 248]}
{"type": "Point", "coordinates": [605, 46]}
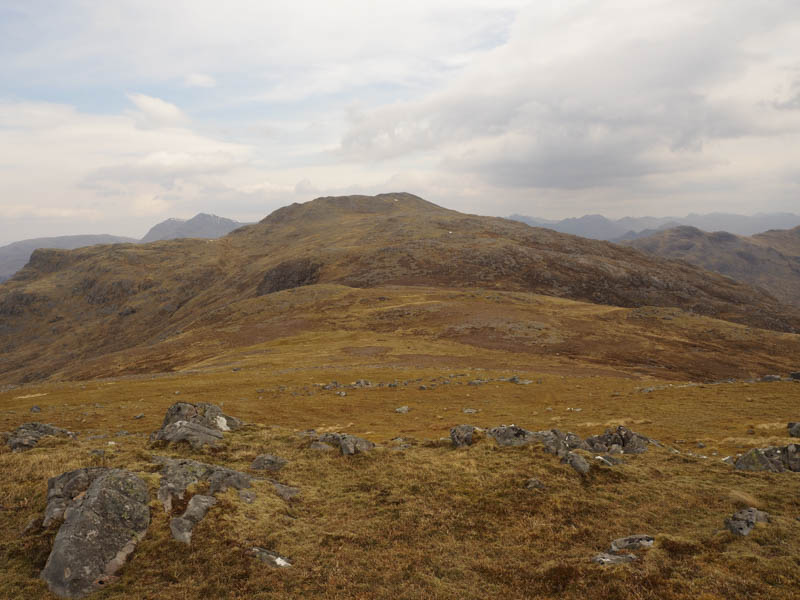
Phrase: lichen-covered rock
{"type": "Point", "coordinates": [197, 424]}
{"type": "Point", "coordinates": [181, 527]}
{"type": "Point", "coordinates": [179, 474]}
{"type": "Point", "coordinates": [101, 529]}
{"type": "Point", "coordinates": [463, 435]}
{"type": "Point", "coordinates": [622, 439]}
{"type": "Point", "coordinates": [63, 489]}
{"type": "Point", "coordinates": [27, 435]}
{"type": "Point", "coordinates": [347, 444]}
{"type": "Point", "coordinates": [774, 458]}
{"type": "Point", "coordinates": [268, 462]}
{"type": "Point", "coordinates": [743, 521]}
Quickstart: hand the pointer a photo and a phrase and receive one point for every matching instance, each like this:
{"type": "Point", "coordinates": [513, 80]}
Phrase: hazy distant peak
{"type": "Point", "coordinates": [202, 225]}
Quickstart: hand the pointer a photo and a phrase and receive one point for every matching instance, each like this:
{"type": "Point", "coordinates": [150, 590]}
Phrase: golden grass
{"type": "Point", "coordinates": [429, 521]}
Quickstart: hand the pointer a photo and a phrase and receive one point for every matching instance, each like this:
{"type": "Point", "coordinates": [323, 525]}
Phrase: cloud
{"type": "Point", "coordinates": [153, 112]}
{"type": "Point", "coordinates": [200, 80]}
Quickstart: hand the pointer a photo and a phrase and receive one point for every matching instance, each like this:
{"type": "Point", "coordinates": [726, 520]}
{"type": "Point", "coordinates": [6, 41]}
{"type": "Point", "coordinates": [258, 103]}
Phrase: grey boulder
{"type": "Point", "coordinates": [613, 559]}
{"type": "Point", "coordinates": [197, 424]}
{"type": "Point", "coordinates": [268, 462]}
{"type": "Point", "coordinates": [347, 444]}
{"type": "Point", "coordinates": [794, 429]}
{"type": "Point", "coordinates": [463, 435]}
{"type": "Point", "coordinates": [101, 529]}
{"type": "Point", "coordinates": [774, 458]}
{"type": "Point", "coordinates": [577, 462]}
{"type": "Point", "coordinates": [179, 474]}
{"type": "Point", "coordinates": [743, 521]}
{"type": "Point", "coordinates": [620, 439]}
{"type": "Point", "coordinates": [632, 542]}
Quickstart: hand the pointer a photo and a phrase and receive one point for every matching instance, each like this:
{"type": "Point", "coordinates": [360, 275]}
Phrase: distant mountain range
{"type": "Point", "coordinates": [769, 260]}
{"type": "Point", "coordinates": [14, 256]}
{"type": "Point", "coordinates": [599, 227]}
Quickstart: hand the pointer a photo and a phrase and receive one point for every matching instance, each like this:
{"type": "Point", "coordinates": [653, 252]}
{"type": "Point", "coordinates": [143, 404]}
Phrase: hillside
{"type": "Point", "coordinates": [392, 263]}
{"type": "Point", "coordinates": [14, 256]}
{"type": "Point", "coordinates": [199, 226]}
{"type": "Point", "coordinates": [769, 260]}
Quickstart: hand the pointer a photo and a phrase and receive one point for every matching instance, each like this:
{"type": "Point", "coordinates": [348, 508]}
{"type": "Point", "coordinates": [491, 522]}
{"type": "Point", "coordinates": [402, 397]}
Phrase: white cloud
{"type": "Point", "coordinates": [155, 112]}
{"type": "Point", "coordinates": [200, 80]}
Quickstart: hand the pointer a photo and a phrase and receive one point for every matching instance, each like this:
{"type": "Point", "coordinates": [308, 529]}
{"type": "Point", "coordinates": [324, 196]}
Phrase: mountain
{"type": "Point", "coordinates": [200, 226]}
{"type": "Point", "coordinates": [769, 260]}
{"type": "Point", "coordinates": [389, 266]}
{"type": "Point", "coordinates": [602, 228]}
{"type": "Point", "coordinates": [14, 256]}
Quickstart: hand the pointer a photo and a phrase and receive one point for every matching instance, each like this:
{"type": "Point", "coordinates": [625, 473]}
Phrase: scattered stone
{"type": "Point", "coordinates": [348, 444]}
{"type": "Point", "coordinates": [608, 460]}
{"type": "Point", "coordinates": [469, 411]}
{"type": "Point", "coordinates": [402, 410]}
{"type": "Point", "coordinates": [271, 558]}
{"type": "Point", "coordinates": [701, 445]}
{"type": "Point", "coordinates": [577, 462]}
{"type": "Point", "coordinates": [534, 484]}
{"type": "Point", "coordinates": [27, 435]}
{"type": "Point", "coordinates": [768, 378]}
{"type": "Point", "coordinates": [463, 435]}
{"type": "Point", "coordinates": [36, 409]}
{"type": "Point", "coordinates": [83, 559]}
{"type": "Point", "coordinates": [423, 387]}
{"type": "Point", "coordinates": [613, 559]}
{"type": "Point", "coordinates": [286, 492]}
{"type": "Point", "coordinates": [518, 381]}
{"type": "Point", "coordinates": [179, 474]}
{"type": "Point", "coordinates": [139, 416]}
{"type": "Point", "coordinates": [794, 429]}
{"type": "Point", "coordinates": [795, 375]}
{"type": "Point", "coordinates": [197, 508]}
{"type": "Point", "coordinates": [268, 462]}
{"type": "Point", "coordinates": [632, 542]}
{"type": "Point", "coordinates": [97, 452]}
{"type": "Point", "coordinates": [743, 521]}
{"type": "Point", "coordinates": [476, 382]}
{"type": "Point", "coordinates": [774, 458]}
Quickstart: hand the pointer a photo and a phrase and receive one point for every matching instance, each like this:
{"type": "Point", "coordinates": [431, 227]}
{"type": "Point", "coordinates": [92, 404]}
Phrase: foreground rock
{"type": "Point", "coordinates": [197, 508]}
{"type": "Point", "coordinates": [743, 521]}
{"type": "Point", "coordinates": [347, 444]}
{"type": "Point", "coordinates": [101, 528]}
{"type": "Point", "coordinates": [577, 462]}
{"type": "Point", "coordinates": [197, 424]}
{"type": "Point", "coordinates": [463, 435]}
{"type": "Point", "coordinates": [179, 474]}
{"type": "Point", "coordinates": [271, 558]}
{"type": "Point", "coordinates": [774, 458]}
{"type": "Point", "coordinates": [619, 440]}
{"type": "Point", "coordinates": [27, 435]}
{"type": "Point", "coordinates": [794, 429]}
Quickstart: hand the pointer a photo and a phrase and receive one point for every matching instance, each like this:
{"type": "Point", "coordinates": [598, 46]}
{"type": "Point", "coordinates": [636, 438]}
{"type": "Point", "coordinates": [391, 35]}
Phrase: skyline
{"type": "Point", "coordinates": [113, 118]}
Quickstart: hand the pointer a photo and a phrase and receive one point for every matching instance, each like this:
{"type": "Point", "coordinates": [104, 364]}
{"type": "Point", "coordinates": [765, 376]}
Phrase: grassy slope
{"type": "Point", "coordinates": [429, 522]}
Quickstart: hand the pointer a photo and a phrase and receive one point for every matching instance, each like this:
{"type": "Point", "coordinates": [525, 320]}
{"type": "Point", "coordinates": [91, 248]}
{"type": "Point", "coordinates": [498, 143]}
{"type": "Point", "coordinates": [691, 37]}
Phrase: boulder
{"type": "Point", "coordinates": [632, 542]}
{"type": "Point", "coordinates": [463, 435]}
{"type": "Point", "coordinates": [795, 375]}
{"type": "Point", "coordinates": [768, 378]}
{"type": "Point", "coordinates": [268, 462]}
{"type": "Point", "coordinates": [101, 529]}
{"type": "Point", "coordinates": [27, 435]}
{"type": "Point", "coordinates": [271, 558]}
{"type": "Point", "coordinates": [402, 410]}
{"type": "Point", "coordinates": [794, 429]}
{"type": "Point", "coordinates": [286, 492]}
{"type": "Point", "coordinates": [534, 484]}
{"type": "Point", "coordinates": [743, 521]}
{"type": "Point", "coordinates": [774, 458]}
{"type": "Point", "coordinates": [62, 490]}
{"type": "Point", "coordinates": [347, 444]}
{"type": "Point", "coordinates": [511, 435]}
{"type": "Point", "coordinates": [197, 508]}
{"type": "Point", "coordinates": [198, 424]}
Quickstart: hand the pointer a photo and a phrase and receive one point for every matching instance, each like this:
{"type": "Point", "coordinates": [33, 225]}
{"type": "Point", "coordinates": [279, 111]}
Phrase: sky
{"type": "Point", "coordinates": [117, 115]}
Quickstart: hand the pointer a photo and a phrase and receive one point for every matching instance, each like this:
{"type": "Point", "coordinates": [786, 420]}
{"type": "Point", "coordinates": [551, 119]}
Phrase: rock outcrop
{"type": "Point", "coordinates": [181, 527]}
{"type": "Point", "coordinates": [179, 474]}
{"type": "Point", "coordinates": [774, 458]}
{"type": "Point", "coordinates": [268, 462]}
{"type": "Point", "coordinates": [27, 435]}
{"type": "Point", "coordinates": [618, 440]}
{"type": "Point", "coordinates": [463, 435]}
{"type": "Point", "coordinates": [197, 424]}
{"type": "Point", "coordinates": [347, 444]}
{"type": "Point", "coordinates": [794, 429]}
{"type": "Point", "coordinates": [101, 528]}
